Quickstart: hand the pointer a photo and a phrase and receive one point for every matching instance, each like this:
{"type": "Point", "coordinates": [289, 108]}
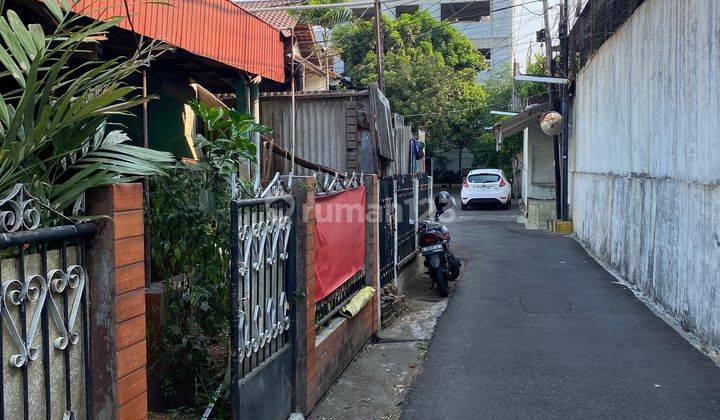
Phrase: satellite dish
{"type": "Point", "coordinates": [551, 123]}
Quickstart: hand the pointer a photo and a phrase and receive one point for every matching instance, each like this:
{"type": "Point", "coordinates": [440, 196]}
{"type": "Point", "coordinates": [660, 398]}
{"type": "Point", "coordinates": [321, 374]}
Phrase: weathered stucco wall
{"type": "Point", "coordinates": [540, 165]}
{"type": "Point", "coordinates": [645, 161]}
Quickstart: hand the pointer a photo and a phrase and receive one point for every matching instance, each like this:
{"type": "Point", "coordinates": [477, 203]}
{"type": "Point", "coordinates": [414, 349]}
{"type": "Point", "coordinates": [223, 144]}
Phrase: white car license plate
{"type": "Point", "coordinates": [431, 248]}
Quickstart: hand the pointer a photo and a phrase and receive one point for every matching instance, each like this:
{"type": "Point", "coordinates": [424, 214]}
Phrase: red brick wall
{"type": "Point", "coordinates": [335, 351]}
{"type": "Point", "coordinates": [328, 354]}
{"type": "Point", "coordinates": [130, 301]}
{"type": "Point", "coordinates": [118, 349]}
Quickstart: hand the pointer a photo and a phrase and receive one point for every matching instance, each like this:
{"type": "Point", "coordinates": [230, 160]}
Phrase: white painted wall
{"type": "Point", "coordinates": [645, 158]}
{"type": "Point", "coordinates": [524, 170]}
{"type": "Point", "coordinates": [538, 172]}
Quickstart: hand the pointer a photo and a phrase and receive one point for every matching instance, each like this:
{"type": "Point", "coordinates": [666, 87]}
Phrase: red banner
{"type": "Point", "coordinates": [339, 239]}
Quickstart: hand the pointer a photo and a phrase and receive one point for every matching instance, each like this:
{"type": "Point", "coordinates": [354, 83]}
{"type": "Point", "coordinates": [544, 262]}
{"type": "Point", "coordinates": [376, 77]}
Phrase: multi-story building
{"type": "Point", "coordinates": [488, 23]}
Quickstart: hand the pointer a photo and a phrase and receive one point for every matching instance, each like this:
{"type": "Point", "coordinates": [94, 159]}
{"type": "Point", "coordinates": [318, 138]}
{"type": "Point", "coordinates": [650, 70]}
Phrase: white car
{"type": "Point", "coordinates": [486, 186]}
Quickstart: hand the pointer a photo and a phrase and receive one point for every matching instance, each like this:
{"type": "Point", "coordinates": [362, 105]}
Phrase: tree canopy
{"type": "Point", "coordinates": [431, 78]}
{"type": "Point", "coordinates": [430, 73]}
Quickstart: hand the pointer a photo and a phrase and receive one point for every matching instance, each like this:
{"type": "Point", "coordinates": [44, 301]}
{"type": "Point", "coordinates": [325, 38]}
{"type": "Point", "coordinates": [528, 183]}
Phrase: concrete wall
{"type": "Point", "coordinates": [538, 166]}
{"type": "Point", "coordinates": [645, 185]}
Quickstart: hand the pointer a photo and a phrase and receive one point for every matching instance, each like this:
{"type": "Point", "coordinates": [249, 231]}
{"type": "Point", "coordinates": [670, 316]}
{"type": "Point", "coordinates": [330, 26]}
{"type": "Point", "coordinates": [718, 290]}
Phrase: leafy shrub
{"type": "Point", "coordinates": [188, 223]}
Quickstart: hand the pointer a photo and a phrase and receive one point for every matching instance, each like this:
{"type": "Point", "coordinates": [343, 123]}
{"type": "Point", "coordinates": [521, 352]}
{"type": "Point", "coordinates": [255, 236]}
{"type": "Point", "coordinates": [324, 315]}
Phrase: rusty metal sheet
{"type": "Point", "coordinates": [215, 29]}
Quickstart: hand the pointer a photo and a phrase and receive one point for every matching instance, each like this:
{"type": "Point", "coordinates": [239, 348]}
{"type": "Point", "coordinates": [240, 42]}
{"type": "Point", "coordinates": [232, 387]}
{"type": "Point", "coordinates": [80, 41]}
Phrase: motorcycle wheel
{"type": "Point", "coordinates": [454, 273]}
{"type": "Point", "coordinates": [441, 279]}
{"type": "Point", "coordinates": [454, 267]}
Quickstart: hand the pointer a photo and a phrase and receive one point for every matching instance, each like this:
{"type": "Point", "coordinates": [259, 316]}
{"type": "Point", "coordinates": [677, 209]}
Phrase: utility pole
{"type": "Point", "coordinates": [548, 40]}
{"type": "Point", "coordinates": [550, 68]}
{"type": "Point", "coordinates": [380, 49]}
{"type": "Point", "coordinates": [565, 106]}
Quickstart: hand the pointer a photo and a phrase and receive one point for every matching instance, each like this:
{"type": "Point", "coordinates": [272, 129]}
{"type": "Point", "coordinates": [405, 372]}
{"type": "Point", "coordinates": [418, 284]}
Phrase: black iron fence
{"type": "Point", "coordinates": [261, 281]}
{"type": "Point", "coordinates": [423, 196]}
{"type": "Point", "coordinates": [406, 238]}
{"type": "Point", "coordinates": [44, 344]}
{"type": "Point", "coordinates": [328, 306]}
{"type": "Point", "coordinates": [386, 221]}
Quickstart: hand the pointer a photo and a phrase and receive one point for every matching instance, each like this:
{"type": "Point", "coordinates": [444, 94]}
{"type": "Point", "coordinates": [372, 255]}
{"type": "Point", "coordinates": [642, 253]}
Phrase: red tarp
{"type": "Point", "coordinates": [339, 239]}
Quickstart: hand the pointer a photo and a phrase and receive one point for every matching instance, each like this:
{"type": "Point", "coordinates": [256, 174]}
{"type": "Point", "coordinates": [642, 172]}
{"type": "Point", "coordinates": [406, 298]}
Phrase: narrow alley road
{"type": "Point", "coordinates": [537, 329]}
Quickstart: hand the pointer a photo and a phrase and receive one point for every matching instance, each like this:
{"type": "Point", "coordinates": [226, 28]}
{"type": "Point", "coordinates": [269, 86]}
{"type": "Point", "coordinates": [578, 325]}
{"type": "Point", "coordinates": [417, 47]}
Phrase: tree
{"type": "Point", "coordinates": [499, 91]}
{"type": "Point", "coordinates": [409, 35]}
{"type": "Point", "coordinates": [535, 67]}
{"type": "Point", "coordinates": [430, 75]}
{"type": "Point", "coordinates": [326, 19]}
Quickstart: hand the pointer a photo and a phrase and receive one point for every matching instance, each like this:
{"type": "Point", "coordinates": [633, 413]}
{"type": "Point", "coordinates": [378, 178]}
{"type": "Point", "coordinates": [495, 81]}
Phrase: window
{"type": "Point", "coordinates": [365, 13]}
{"type": "Point", "coordinates": [483, 178]}
{"type": "Point", "coordinates": [401, 10]}
{"type": "Point", "coordinates": [485, 52]}
{"type": "Point", "coordinates": [473, 11]}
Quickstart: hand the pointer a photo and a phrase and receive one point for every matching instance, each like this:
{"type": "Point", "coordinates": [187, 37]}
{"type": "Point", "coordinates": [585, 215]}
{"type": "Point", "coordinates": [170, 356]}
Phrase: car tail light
{"type": "Point", "coordinates": [502, 182]}
{"type": "Point", "coordinates": [429, 239]}
{"type": "Point", "coordinates": [465, 183]}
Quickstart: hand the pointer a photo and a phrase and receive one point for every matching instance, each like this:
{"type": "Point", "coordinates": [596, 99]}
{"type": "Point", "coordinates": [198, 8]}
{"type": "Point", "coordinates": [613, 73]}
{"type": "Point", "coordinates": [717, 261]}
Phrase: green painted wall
{"type": "Point", "coordinates": [165, 115]}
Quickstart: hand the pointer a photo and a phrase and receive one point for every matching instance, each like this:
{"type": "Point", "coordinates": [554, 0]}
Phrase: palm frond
{"type": "Point", "coordinates": [53, 120]}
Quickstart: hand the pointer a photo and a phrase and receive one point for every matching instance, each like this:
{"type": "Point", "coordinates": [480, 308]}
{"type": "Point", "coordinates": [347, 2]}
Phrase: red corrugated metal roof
{"type": "Point", "coordinates": [216, 29]}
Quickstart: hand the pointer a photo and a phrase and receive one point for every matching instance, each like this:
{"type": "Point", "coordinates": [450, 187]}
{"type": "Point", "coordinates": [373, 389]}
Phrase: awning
{"type": "Point", "coordinates": [518, 122]}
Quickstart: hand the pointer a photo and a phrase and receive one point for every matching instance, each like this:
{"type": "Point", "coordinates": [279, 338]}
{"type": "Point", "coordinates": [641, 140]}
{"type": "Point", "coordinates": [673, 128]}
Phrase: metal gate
{"type": "Point", "coordinates": [423, 196]}
{"type": "Point", "coordinates": [387, 230]}
{"type": "Point", "coordinates": [406, 238]}
{"type": "Point", "coordinates": [262, 280]}
{"type": "Point", "coordinates": [44, 345]}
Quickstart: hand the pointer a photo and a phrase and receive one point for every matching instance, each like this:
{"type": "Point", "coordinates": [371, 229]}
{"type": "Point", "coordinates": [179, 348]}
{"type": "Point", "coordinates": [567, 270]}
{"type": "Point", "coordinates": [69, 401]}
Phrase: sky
{"type": "Point", "coordinates": [528, 20]}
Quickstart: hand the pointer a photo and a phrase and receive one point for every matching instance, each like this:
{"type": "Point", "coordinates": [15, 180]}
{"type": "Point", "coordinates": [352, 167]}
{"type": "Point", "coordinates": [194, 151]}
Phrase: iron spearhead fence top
{"type": "Point", "coordinates": [337, 183]}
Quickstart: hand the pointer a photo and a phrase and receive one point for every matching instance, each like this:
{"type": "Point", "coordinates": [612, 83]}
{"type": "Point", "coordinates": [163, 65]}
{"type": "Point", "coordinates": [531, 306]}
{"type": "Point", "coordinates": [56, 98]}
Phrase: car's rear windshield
{"type": "Point", "coordinates": [481, 178]}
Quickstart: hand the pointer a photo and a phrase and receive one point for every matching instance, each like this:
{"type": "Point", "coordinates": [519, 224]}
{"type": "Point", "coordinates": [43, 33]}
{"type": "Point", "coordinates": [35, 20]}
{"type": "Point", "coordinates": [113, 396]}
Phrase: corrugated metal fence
{"type": "Point", "coordinates": [344, 130]}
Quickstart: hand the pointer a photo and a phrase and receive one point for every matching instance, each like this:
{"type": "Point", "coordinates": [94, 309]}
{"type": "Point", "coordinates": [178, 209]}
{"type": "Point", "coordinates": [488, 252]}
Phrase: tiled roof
{"type": "Point", "coordinates": [279, 19]}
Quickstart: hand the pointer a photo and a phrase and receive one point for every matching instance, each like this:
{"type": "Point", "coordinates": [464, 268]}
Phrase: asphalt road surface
{"type": "Point", "coordinates": [537, 329]}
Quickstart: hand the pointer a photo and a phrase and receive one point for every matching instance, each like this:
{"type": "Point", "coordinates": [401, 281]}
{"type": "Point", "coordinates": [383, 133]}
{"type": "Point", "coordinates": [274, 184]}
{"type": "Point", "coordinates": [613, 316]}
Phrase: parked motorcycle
{"type": "Point", "coordinates": [434, 239]}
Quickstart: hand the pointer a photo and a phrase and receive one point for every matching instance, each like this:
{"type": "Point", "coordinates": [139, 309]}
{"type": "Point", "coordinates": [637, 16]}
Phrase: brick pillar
{"type": "Point", "coordinates": [304, 331]}
{"type": "Point", "coordinates": [117, 301]}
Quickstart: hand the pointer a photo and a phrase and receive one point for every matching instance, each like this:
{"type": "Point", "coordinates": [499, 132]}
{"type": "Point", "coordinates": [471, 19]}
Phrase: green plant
{"type": "Point", "coordinates": [189, 223]}
{"type": "Point", "coordinates": [54, 132]}
{"type": "Point", "coordinates": [535, 67]}
{"type": "Point", "coordinates": [325, 19]}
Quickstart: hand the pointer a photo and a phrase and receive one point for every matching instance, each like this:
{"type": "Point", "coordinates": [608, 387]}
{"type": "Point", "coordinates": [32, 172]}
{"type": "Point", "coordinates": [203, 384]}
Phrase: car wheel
{"type": "Point", "coordinates": [463, 206]}
{"type": "Point", "coordinates": [507, 204]}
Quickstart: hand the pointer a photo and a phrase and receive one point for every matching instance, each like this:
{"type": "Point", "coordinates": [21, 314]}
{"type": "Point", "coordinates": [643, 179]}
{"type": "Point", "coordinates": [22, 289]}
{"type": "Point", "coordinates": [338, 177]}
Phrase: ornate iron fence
{"type": "Point", "coordinates": [262, 292]}
{"type": "Point", "coordinates": [44, 352]}
{"type": "Point", "coordinates": [406, 238]}
{"type": "Point", "coordinates": [386, 221]}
